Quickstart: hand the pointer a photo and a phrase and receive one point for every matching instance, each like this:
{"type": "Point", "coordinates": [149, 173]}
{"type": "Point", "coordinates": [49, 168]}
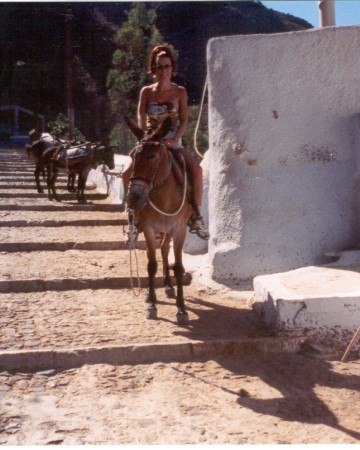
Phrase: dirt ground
{"type": "Point", "coordinates": [65, 286]}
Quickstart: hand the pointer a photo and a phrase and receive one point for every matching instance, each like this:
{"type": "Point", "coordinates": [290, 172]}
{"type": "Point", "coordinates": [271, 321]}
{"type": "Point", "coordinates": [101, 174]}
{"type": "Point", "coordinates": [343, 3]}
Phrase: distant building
{"type": "Point", "coordinates": [16, 121]}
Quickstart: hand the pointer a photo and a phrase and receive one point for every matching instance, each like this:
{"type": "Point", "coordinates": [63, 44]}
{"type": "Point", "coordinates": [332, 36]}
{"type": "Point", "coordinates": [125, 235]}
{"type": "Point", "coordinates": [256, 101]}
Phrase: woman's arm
{"type": "Point", "coordinates": [183, 113]}
{"type": "Point", "coordinates": [141, 113]}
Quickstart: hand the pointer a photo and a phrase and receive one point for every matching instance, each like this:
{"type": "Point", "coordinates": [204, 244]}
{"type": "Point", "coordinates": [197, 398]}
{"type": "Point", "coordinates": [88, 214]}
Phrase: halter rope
{"type": "Point", "coordinates": [199, 118]}
{"type": "Point", "coordinates": [132, 249]}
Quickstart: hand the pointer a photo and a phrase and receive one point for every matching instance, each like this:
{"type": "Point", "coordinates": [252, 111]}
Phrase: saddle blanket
{"type": "Point", "coordinates": [78, 152]}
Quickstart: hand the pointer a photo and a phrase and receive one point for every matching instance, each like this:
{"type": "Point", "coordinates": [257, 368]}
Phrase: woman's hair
{"type": "Point", "coordinates": [158, 51]}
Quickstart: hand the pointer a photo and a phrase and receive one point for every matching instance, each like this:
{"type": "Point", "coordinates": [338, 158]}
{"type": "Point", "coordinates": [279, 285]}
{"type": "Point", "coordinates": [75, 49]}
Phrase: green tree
{"type": "Point", "coordinates": [134, 40]}
{"type": "Point", "coordinates": [60, 129]}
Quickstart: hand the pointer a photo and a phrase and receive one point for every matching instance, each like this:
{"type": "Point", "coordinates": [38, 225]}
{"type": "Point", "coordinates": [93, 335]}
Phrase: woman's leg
{"type": "Point", "coordinates": [195, 174]}
{"type": "Point", "coordinates": [194, 169]}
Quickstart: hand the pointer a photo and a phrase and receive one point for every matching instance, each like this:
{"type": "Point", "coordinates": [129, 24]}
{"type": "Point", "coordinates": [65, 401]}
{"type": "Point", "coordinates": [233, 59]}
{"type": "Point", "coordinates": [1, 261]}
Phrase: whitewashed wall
{"type": "Point", "coordinates": [283, 179]}
{"type": "Point", "coordinates": [109, 181]}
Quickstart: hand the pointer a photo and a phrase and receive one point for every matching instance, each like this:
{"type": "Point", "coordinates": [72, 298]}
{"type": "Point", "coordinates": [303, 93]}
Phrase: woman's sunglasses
{"type": "Point", "coordinates": [161, 67]}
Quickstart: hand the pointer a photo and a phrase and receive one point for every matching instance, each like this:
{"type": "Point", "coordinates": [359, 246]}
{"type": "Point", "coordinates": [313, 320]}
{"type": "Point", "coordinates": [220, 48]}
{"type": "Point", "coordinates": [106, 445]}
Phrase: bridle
{"type": "Point", "coordinates": [149, 184]}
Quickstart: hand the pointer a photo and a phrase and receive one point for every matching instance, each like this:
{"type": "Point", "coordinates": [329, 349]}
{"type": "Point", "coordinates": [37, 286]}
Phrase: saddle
{"type": "Point", "coordinates": [74, 154]}
{"type": "Point", "coordinates": [178, 167]}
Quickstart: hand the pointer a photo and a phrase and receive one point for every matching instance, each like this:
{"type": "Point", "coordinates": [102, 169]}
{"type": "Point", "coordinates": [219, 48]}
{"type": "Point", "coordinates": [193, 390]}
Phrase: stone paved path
{"type": "Point", "coordinates": [80, 364]}
{"type": "Point", "coordinates": [65, 277]}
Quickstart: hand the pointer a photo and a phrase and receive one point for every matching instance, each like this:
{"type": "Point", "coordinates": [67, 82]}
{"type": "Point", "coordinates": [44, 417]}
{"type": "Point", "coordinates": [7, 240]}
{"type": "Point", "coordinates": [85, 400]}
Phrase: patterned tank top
{"type": "Point", "coordinates": [158, 112]}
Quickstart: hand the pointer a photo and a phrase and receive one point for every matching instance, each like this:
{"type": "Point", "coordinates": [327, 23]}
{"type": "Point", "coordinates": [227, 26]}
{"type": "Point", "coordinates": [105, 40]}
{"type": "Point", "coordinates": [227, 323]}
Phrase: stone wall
{"type": "Point", "coordinates": [283, 176]}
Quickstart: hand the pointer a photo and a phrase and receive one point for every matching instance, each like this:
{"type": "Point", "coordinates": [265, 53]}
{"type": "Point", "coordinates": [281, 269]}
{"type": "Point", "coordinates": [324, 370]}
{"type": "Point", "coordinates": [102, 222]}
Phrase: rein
{"type": "Point", "coordinates": [182, 201]}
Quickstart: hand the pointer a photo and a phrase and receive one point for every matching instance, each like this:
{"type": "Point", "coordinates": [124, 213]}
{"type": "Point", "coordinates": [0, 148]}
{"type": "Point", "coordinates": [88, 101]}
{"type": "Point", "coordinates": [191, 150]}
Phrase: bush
{"type": "Point", "coordinates": [60, 129]}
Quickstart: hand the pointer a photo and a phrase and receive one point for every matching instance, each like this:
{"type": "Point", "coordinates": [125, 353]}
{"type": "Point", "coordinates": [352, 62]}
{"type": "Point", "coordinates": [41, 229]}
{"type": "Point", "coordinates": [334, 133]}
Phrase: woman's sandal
{"type": "Point", "coordinates": [197, 226]}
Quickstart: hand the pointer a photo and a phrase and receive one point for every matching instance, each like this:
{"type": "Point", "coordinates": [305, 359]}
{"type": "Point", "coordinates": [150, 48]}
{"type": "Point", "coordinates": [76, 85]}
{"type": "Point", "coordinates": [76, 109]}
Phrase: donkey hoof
{"type": "Point", "coordinates": [150, 298]}
{"type": "Point", "coordinates": [151, 313]}
{"type": "Point", "coordinates": [170, 292]}
{"type": "Point", "coordinates": [182, 317]}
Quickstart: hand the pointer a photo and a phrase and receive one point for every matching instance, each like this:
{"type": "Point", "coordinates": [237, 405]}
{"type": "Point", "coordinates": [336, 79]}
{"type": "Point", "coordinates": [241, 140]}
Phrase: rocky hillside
{"type": "Point", "coordinates": [189, 25]}
{"type": "Point", "coordinates": [32, 48]}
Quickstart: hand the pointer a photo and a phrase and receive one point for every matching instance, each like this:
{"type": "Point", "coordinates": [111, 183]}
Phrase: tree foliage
{"type": "Point", "coordinates": [134, 41]}
{"type": "Point", "coordinates": [59, 128]}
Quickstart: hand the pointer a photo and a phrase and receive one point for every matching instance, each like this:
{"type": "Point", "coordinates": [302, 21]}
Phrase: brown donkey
{"type": "Point", "coordinates": [160, 202]}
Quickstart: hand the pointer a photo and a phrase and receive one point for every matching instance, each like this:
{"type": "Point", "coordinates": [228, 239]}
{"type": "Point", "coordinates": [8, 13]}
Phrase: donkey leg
{"type": "Point", "coordinates": [165, 247]}
{"type": "Point", "coordinates": [53, 184]}
{"type": "Point", "coordinates": [52, 177]}
{"type": "Point", "coordinates": [48, 180]}
{"type": "Point", "coordinates": [82, 184]}
{"type": "Point", "coordinates": [80, 190]}
{"type": "Point", "coordinates": [152, 269]}
{"type": "Point", "coordinates": [70, 183]}
{"type": "Point", "coordinates": [181, 316]}
{"type": "Point", "coordinates": [38, 169]}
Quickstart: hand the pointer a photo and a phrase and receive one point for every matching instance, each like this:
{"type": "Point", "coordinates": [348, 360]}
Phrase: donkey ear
{"type": "Point", "coordinates": [163, 129]}
{"type": "Point", "coordinates": [137, 131]}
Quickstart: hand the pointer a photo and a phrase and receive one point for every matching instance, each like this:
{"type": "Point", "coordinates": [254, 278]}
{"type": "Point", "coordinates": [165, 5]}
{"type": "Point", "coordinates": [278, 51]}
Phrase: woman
{"type": "Point", "coordinates": [163, 99]}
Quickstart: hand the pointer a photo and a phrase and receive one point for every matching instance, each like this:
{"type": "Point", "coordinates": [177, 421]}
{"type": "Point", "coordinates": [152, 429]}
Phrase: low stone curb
{"type": "Point", "coordinates": [13, 247]}
{"type": "Point", "coordinates": [68, 284]}
{"type": "Point", "coordinates": [45, 359]}
{"type": "Point", "coordinates": [64, 223]}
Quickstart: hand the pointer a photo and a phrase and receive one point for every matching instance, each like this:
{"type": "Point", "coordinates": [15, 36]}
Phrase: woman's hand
{"type": "Point", "coordinates": [170, 143]}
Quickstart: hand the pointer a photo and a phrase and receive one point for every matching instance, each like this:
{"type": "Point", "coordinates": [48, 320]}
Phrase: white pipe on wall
{"type": "Point", "coordinates": [326, 13]}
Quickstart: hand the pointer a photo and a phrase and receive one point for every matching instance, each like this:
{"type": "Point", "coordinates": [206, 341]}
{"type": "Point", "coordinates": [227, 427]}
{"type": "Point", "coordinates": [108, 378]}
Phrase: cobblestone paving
{"type": "Point", "coordinates": [76, 291]}
{"type": "Point", "coordinates": [65, 285]}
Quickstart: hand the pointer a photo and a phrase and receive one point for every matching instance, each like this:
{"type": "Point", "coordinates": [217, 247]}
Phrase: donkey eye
{"type": "Point", "coordinates": [151, 157]}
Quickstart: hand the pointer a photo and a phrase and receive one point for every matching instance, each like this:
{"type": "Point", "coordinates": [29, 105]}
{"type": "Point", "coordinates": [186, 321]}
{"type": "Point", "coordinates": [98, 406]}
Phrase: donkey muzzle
{"type": "Point", "coordinates": [138, 194]}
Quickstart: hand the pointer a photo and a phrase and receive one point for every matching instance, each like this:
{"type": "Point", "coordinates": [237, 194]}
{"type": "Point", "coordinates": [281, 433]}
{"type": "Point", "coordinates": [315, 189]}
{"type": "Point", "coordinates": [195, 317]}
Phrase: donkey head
{"type": "Point", "coordinates": [148, 162]}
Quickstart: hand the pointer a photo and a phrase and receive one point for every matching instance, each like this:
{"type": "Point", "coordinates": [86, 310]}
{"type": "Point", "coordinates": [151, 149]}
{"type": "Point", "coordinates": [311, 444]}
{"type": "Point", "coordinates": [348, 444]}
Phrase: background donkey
{"type": "Point", "coordinates": [76, 161]}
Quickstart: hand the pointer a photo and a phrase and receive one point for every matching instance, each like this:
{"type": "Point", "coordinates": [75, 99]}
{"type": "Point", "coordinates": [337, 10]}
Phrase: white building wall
{"type": "Point", "coordinates": [283, 180]}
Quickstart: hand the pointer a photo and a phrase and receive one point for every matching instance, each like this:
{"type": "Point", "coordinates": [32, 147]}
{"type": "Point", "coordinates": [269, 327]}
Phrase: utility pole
{"type": "Point", "coordinates": [327, 13]}
{"type": "Point", "coordinates": [69, 74]}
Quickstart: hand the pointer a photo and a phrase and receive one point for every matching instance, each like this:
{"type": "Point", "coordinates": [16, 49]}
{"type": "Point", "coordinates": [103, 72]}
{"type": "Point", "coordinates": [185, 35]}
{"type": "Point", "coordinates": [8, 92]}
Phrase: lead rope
{"type": "Point", "coordinates": [132, 249]}
{"type": "Point", "coordinates": [199, 118]}
{"type": "Point", "coordinates": [183, 197]}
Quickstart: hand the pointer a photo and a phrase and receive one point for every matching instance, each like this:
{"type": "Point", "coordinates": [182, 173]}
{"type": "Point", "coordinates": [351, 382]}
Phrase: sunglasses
{"type": "Point", "coordinates": [165, 66]}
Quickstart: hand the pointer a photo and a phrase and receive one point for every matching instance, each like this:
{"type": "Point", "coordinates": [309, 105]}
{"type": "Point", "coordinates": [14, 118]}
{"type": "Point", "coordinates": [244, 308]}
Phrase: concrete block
{"type": "Point", "coordinates": [325, 299]}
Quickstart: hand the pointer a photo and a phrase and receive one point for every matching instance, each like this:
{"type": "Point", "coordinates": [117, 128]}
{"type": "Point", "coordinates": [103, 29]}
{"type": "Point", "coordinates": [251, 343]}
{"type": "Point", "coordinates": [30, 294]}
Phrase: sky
{"type": "Point", "coordinates": [347, 12]}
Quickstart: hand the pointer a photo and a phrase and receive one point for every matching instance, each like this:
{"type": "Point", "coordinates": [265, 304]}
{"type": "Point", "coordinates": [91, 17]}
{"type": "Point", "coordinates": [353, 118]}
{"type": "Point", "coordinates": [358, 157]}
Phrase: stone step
{"type": "Point", "coordinates": [52, 359]}
{"type": "Point", "coordinates": [63, 223]}
{"type": "Point", "coordinates": [78, 284]}
{"type": "Point", "coordinates": [62, 196]}
{"type": "Point", "coordinates": [323, 300]}
{"type": "Point", "coordinates": [60, 207]}
{"type": "Point", "coordinates": [84, 317]}
{"type": "Point", "coordinates": [53, 234]}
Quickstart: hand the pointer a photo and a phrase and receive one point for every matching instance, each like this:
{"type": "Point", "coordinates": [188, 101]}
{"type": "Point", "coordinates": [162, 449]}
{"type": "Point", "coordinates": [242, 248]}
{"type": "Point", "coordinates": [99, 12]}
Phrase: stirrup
{"type": "Point", "coordinates": [197, 226]}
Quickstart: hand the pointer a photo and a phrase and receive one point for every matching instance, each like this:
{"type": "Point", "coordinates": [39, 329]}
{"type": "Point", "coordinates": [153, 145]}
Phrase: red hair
{"type": "Point", "coordinates": [159, 51]}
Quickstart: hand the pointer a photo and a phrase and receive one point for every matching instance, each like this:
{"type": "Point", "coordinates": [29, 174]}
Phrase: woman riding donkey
{"type": "Point", "coordinates": [164, 99]}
